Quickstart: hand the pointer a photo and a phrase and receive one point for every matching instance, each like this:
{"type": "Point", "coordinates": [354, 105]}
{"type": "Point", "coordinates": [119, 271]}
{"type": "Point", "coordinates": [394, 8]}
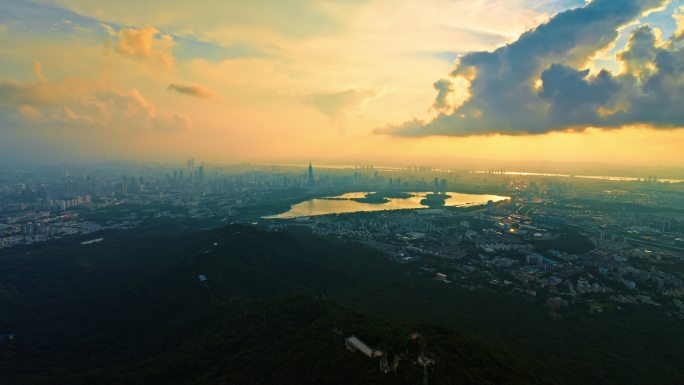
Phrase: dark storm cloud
{"type": "Point", "coordinates": [537, 84]}
{"type": "Point", "coordinates": [444, 87]}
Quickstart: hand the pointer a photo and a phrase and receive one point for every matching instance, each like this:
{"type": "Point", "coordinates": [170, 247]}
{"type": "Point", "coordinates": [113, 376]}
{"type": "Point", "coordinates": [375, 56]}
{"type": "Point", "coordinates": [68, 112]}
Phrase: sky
{"type": "Point", "coordinates": [344, 80]}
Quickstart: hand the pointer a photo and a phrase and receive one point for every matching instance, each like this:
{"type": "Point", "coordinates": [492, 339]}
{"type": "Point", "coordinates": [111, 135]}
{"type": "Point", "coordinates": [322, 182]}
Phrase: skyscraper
{"type": "Point", "coordinates": [311, 176]}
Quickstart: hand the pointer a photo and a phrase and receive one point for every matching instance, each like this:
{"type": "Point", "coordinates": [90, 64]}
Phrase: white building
{"type": "Point", "coordinates": [354, 344]}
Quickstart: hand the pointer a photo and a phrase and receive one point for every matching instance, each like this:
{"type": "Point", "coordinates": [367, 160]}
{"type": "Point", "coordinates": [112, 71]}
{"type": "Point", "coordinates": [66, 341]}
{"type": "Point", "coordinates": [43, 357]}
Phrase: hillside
{"type": "Point", "coordinates": [131, 310]}
{"type": "Point", "coordinates": [134, 312]}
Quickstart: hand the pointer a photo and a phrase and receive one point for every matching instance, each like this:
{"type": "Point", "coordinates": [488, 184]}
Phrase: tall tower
{"type": "Point", "coordinates": [311, 176]}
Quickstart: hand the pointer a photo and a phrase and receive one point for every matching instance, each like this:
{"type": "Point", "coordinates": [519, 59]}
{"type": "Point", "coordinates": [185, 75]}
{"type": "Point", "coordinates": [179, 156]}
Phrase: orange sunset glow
{"type": "Point", "coordinates": [336, 81]}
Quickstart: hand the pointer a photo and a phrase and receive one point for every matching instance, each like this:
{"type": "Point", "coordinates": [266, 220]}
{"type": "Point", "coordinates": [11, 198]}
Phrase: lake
{"type": "Point", "coordinates": [343, 204]}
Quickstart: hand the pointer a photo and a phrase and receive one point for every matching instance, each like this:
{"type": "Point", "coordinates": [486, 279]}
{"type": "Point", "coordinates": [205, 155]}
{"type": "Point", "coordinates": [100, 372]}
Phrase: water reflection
{"type": "Point", "coordinates": [342, 204]}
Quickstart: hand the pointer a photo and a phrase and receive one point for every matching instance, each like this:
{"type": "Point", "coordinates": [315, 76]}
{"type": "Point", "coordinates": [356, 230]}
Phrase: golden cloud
{"type": "Point", "coordinates": [146, 43]}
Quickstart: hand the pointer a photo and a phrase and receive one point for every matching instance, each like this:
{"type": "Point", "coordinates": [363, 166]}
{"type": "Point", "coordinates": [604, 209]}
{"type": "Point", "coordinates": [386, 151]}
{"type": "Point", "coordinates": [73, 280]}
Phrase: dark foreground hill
{"type": "Point", "coordinates": [131, 310]}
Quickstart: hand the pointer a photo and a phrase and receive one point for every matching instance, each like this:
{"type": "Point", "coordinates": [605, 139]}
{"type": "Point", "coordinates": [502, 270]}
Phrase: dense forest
{"type": "Point", "coordinates": [131, 310]}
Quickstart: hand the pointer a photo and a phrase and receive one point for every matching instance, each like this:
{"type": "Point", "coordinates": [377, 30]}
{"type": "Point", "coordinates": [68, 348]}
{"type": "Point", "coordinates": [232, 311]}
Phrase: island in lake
{"type": "Point", "coordinates": [435, 200]}
{"type": "Point", "coordinates": [382, 197]}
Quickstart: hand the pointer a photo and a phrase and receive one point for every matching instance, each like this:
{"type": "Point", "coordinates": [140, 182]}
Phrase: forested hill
{"type": "Point", "coordinates": [131, 310]}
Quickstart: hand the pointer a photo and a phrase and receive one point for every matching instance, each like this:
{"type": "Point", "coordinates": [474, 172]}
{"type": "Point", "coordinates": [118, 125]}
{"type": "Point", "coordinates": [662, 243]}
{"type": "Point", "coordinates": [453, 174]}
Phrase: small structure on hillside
{"type": "Point", "coordinates": [90, 242]}
{"type": "Point", "coordinates": [353, 343]}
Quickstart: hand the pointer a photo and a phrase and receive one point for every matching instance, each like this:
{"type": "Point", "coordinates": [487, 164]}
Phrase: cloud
{"type": "Point", "coordinates": [104, 108]}
{"type": "Point", "coordinates": [45, 93]}
{"type": "Point", "coordinates": [538, 83]}
{"type": "Point", "coordinates": [679, 19]}
{"type": "Point", "coordinates": [192, 90]}
{"type": "Point", "coordinates": [444, 87]}
{"type": "Point", "coordinates": [173, 123]}
{"type": "Point", "coordinates": [337, 105]}
{"type": "Point", "coordinates": [38, 70]}
{"type": "Point", "coordinates": [83, 102]}
{"type": "Point", "coordinates": [109, 30]}
{"type": "Point", "coordinates": [293, 18]}
{"type": "Point", "coordinates": [146, 43]}
{"type": "Point", "coordinates": [678, 38]}
{"type": "Point", "coordinates": [640, 55]}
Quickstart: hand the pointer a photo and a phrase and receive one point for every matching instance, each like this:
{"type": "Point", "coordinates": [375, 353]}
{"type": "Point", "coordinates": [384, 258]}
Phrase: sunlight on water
{"type": "Point", "coordinates": [342, 204]}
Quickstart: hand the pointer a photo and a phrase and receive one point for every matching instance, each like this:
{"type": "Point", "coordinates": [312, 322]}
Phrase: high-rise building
{"type": "Point", "coordinates": [311, 180]}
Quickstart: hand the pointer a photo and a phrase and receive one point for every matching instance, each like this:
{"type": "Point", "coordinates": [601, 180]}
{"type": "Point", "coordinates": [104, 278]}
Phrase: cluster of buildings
{"type": "Point", "coordinates": [578, 240]}
{"type": "Point", "coordinates": [541, 245]}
